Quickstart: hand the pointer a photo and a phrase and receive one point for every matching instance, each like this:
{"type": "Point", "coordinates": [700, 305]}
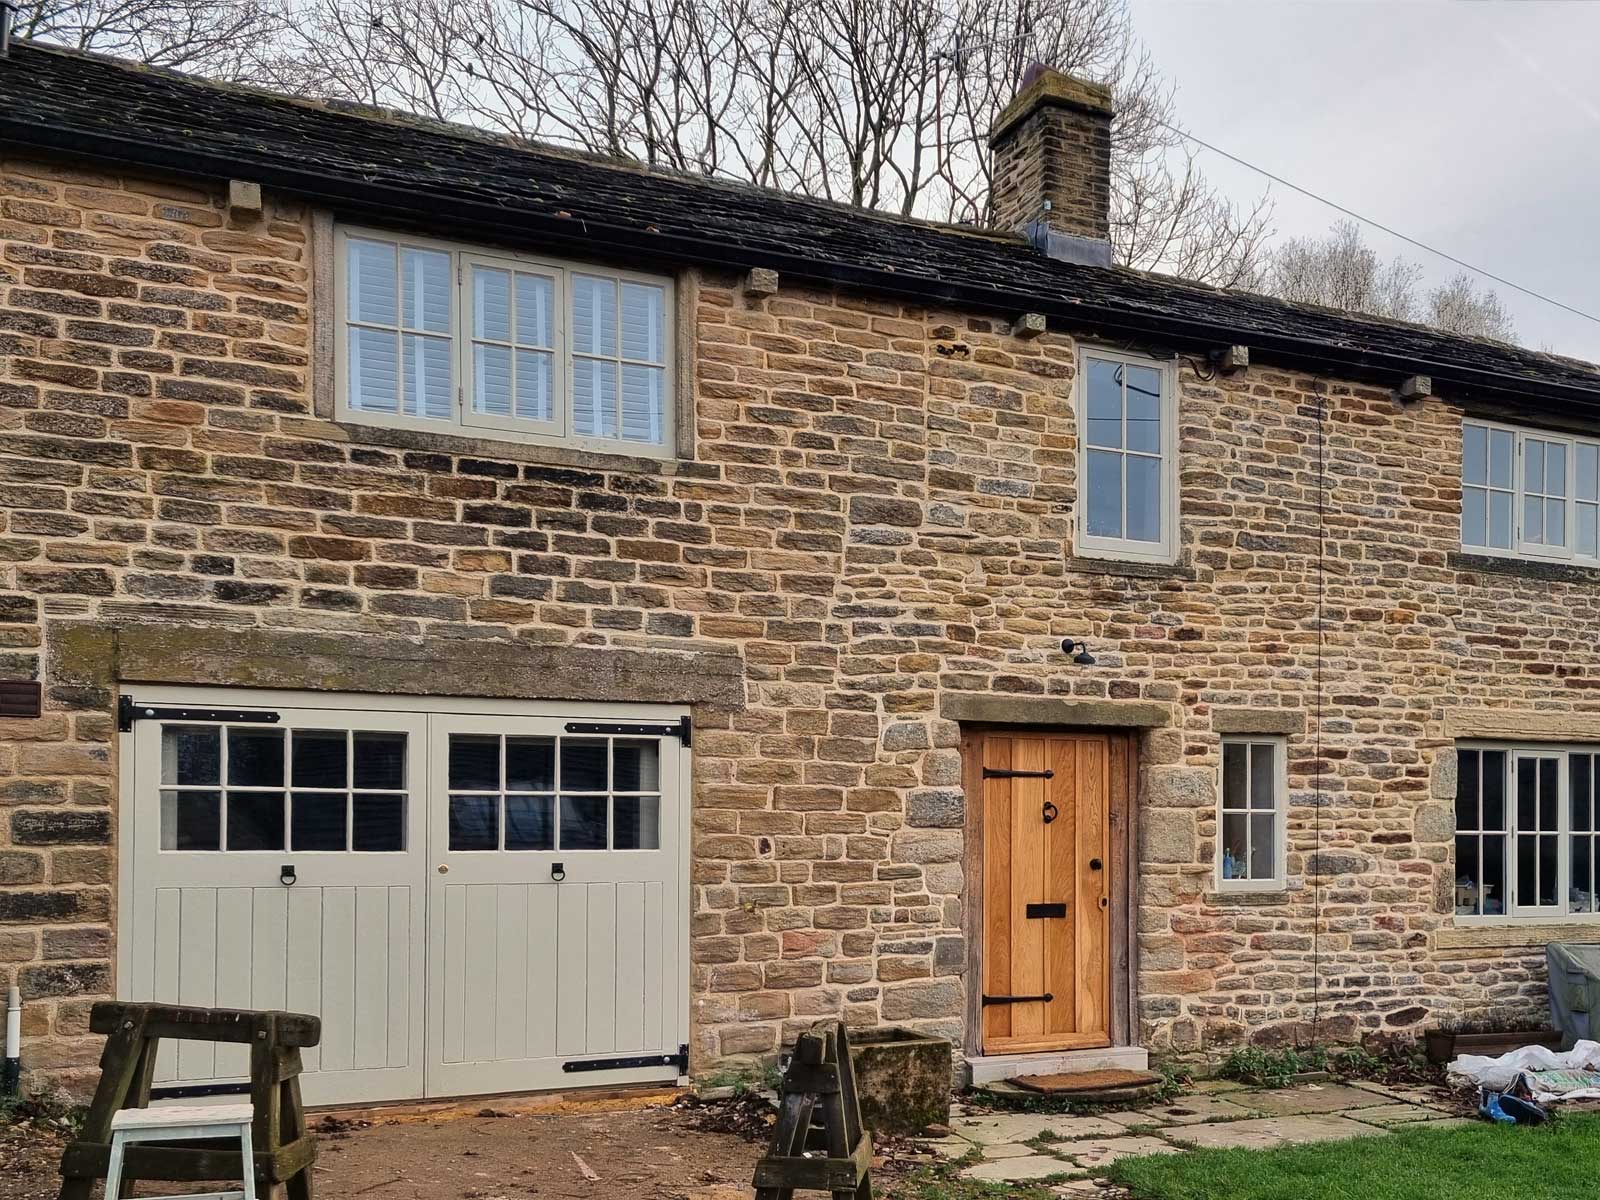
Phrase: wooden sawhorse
{"type": "Point", "coordinates": [283, 1148]}
{"type": "Point", "coordinates": [821, 1114]}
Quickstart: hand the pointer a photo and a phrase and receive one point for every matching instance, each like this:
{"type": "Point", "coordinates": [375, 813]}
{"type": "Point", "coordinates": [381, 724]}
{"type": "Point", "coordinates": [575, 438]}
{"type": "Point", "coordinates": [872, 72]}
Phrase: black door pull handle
{"type": "Point", "coordinates": [558, 871]}
{"type": "Point", "coordinates": [286, 874]}
{"type": "Point", "coordinates": [1051, 812]}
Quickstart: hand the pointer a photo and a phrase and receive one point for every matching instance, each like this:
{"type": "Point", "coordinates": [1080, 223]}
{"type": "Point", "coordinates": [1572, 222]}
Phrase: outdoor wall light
{"type": "Point", "coordinates": [1083, 658]}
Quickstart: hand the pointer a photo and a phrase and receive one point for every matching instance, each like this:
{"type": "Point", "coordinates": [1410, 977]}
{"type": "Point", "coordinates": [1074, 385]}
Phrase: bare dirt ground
{"type": "Point", "coordinates": [586, 1150]}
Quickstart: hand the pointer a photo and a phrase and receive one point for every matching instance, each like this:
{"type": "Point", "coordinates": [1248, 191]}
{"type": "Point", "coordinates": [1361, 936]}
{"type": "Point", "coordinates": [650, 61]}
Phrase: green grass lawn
{"type": "Point", "coordinates": [1555, 1161]}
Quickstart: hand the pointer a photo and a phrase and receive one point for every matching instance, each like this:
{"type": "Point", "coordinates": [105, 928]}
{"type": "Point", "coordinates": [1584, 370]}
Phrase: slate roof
{"type": "Point", "coordinates": [463, 183]}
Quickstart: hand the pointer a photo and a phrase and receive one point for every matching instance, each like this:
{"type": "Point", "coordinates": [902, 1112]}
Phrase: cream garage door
{"type": "Point", "coordinates": [472, 901]}
{"type": "Point", "coordinates": [554, 907]}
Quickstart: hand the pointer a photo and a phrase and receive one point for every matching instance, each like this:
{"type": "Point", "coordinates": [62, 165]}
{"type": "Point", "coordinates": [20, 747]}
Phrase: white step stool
{"type": "Point", "coordinates": [131, 1126]}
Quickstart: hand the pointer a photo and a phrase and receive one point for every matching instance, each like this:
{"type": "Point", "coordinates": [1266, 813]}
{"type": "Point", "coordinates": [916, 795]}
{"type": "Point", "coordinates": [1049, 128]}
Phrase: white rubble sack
{"type": "Point", "coordinates": [1500, 1072]}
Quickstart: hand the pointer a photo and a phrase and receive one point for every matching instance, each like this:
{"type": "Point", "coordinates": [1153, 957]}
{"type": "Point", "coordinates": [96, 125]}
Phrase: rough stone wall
{"type": "Point", "coordinates": [1060, 152]}
{"type": "Point", "coordinates": [879, 514]}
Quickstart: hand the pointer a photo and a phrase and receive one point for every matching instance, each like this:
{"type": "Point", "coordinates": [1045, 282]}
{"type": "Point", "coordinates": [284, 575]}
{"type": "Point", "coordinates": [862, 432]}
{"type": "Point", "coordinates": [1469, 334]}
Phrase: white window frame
{"type": "Point", "coordinates": [1279, 879]}
{"type": "Point", "coordinates": [1514, 910]}
{"type": "Point", "coordinates": [1127, 549]}
{"type": "Point", "coordinates": [465, 422]}
{"type": "Point", "coordinates": [1522, 549]}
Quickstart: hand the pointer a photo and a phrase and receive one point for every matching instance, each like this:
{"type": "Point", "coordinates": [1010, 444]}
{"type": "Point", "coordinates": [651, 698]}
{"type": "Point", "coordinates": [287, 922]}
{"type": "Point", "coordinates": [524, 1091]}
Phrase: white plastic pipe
{"type": "Point", "coordinates": [11, 1072]}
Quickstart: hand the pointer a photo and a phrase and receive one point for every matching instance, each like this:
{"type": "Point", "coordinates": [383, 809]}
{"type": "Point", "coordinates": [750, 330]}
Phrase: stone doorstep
{"type": "Point", "coordinates": [996, 1068]}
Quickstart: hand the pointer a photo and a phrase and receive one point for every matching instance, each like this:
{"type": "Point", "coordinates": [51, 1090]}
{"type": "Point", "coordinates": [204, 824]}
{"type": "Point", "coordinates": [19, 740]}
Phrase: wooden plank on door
{"type": "Point", "coordinates": [996, 755]}
{"type": "Point", "coordinates": [454, 984]}
{"type": "Point", "coordinates": [338, 1008]}
{"type": "Point", "coordinates": [541, 987]}
{"type": "Point", "coordinates": [1093, 792]}
{"type": "Point", "coordinates": [197, 973]}
{"type": "Point", "coordinates": [572, 969]}
{"type": "Point", "coordinates": [630, 990]}
{"type": "Point", "coordinates": [304, 960]}
{"type": "Point", "coordinates": [164, 972]}
{"type": "Point", "coordinates": [370, 993]}
{"type": "Point", "coordinates": [398, 1053]}
{"type": "Point", "coordinates": [1027, 885]}
{"type": "Point", "coordinates": [483, 949]}
{"type": "Point", "coordinates": [602, 981]}
{"type": "Point", "coordinates": [1062, 867]}
{"type": "Point", "coordinates": [510, 969]}
{"type": "Point", "coordinates": [236, 957]}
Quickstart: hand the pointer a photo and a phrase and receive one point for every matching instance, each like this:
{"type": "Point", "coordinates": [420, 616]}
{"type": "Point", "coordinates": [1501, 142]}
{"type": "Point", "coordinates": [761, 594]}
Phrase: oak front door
{"type": "Point", "coordinates": [1046, 891]}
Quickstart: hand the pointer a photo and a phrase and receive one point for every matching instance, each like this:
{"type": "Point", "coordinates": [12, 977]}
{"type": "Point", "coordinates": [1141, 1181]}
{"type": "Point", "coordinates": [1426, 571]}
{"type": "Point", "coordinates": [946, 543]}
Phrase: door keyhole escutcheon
{"type": "Point", "coordinates": [1051, 812]}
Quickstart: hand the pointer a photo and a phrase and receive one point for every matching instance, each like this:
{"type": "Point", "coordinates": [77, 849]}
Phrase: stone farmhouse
{"type": "Point", "coordinates": [566, 623]}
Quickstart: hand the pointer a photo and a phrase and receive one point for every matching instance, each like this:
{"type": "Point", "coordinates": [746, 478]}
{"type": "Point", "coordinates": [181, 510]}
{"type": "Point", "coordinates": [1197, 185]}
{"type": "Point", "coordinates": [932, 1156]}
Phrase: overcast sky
{"type": "Point", "coordinates": [1474, 127]}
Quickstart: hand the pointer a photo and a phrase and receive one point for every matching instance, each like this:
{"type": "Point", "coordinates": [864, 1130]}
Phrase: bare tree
{"type": "Point", "coordinates": [219, 38]}
{"type": "Point", "coordinates": [1458, 306]}
{"type": "Point", "coordinates": [880, 103]}
{"type": "Point", "coordinates": [1342, 271]}
{"type": "Point", "coordinates": [884, 104]}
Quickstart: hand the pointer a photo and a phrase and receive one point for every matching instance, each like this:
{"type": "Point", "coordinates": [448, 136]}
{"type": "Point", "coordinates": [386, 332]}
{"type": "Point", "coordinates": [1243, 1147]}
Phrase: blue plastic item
{"type": "Point", "coordinates": [1489, 1106]}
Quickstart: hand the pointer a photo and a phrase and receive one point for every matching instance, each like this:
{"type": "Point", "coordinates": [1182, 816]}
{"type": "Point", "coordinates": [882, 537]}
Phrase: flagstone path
{"type": "Point", "coordinates": [1029, 1147]}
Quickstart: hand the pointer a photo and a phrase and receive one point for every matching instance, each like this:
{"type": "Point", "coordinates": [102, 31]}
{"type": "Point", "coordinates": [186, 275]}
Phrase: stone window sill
{"type": "Point", "coordinates": [1512, 934]}
{"type": "Point", "coordinates": [505, 451]}
{"type": "Point", "coordinates": [1136, 570]}
{"type": "Point", "coordinates": [1524, 568]}
{"type": "Point", "coordinates": [1248, 899]}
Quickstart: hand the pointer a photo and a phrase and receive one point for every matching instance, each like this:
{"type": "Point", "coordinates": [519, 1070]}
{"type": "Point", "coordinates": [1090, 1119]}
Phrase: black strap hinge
{"type": "Point", "coordinates": [682, 729]}
{"type": "Point", "coordinates": [631, 1062]}
{"type": "Point", "coordinates": [1006, 773]}
{"type": "Point", "coordinates": [1046, 998]}
{"type": "Point", "coordinates": [130, 710]}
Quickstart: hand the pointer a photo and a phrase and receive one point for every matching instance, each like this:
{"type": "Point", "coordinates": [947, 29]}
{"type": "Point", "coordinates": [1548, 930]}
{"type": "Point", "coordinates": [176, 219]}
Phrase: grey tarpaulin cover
{"type": "Point", "coordinates": [1574, 989]}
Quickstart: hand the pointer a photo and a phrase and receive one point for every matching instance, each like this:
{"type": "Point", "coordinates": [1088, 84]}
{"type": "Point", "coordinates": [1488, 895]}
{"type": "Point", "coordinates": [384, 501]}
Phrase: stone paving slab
{"type": "Point", "coordinates": [1217, 1087]}
{"type": "Point", "coordinates": [1020, 1170]}
{"type": "Point", "coordinates": [996, 1129]}
{"type": "Point", "coordinates": [1387, 1115]}
{"type": "Point", "coordinates": [1102, 1152]}
{"type": "Point", "coordinates": [951, 1147]}
{"type": "Point", "coordinates": [1312, 1098]}
{"type": "Point", "coordinates": [1271, 1131]}
{"type": "Point", "coordinates": [1083, 1187]}
{"type": "Point", "coordinates": [1196, 1110]}
{"type": "Point", "coordinates": [1007, 1150]}
{"type": "Point", "coordinates": [1410, 1092]}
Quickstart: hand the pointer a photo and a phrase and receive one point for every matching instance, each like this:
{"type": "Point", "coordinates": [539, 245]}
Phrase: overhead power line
{"type": "Point", "coordinates": [1392, 232]}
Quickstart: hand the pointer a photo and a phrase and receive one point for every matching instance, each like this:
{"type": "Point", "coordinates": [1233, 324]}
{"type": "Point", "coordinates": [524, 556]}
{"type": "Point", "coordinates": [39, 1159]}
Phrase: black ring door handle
{"type": "Point", "coordinates": [558, 871]}
{"type": "Point", "coordinates": [1051, 812]}
{"type": "Point", "coordinates": [286, 874]}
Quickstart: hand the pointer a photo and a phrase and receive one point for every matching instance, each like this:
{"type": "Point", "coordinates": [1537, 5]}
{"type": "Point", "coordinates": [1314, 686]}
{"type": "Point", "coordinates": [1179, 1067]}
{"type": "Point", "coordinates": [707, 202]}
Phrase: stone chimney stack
{"type": "Point", "coordinates": [1052, 166]}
